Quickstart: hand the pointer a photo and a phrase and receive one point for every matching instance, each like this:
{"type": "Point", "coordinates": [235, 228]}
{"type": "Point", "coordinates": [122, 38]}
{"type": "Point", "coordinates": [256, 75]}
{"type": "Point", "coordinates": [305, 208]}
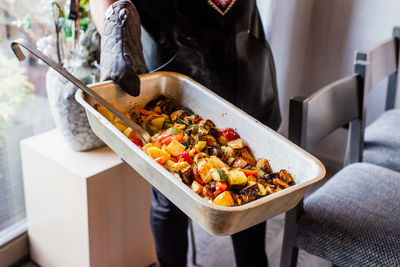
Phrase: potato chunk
{"type": "Point", "coordinates": [105, 112]}
{"type": "Point", "coordinates": [197, 188]}
{"type": "Point", "coordinates": [205, 170]}
{"type": "Point", "coordinates": [236, 177]}
{"type": "Point", "coordinates": [156, 153]}
{"type": "Point", "coordinates": [129, 132]}
{"type": "Point", "coordinates": [175, 148]}
{"type": "Point", "coordinates": [224, 199]}
{"type": "Point", "coordinates": [217, 163]}
{"type": "Point", "coordinates": [236, 144]}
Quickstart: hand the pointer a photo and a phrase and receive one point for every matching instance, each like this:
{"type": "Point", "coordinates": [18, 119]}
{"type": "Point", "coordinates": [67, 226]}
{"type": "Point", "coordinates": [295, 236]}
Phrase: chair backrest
{"type": "Point", "coordinates": [344, 102]}
{"type": "Point", "coordinates": [313, 118]}
{"type": "Point", "coordinates": [381, 62]}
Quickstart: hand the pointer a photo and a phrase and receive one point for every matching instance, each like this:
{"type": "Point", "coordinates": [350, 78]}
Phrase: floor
{"type": "Point", "coordinates": [218, 251]}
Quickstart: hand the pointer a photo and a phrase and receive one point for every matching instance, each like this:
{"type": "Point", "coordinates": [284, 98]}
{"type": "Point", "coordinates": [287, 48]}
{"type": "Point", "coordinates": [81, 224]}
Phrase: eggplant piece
{"type": "Point", "coordinates": [251, 178]}
{"type": "Point", "coordinates": [206, 124]}
{"type": "Point", "coordinates": [186, 175]}
{"type": "Point", "coordinates": [161, 101]}
{"type": "Point", "coordinates": [202, 131]}
{"type": "Point", "coordinates": [213, 151]}
{"type": "Point", "coordinates": [177, 115]}
{"type": "Point", "coordinates": [247, 199]}
{"type": "Point", "coordinates": [179, 121]}
{"type": "Point", "coordinates": [214, 132]}
{"type": "Point", "coordinates": [263, 164]}
{"type": "Point", "coordinates": [239, 163]}
{"type": "Point", "coordinates": [211, 141]}
{"type": "Point", "coordinates": [251, 190]}
{"type": "Point", "coordinates": [285, 176]}
{"type": "Point", "coordinates": [270, 176]}
{"type": "Point", "coordinates": [245, 154]}
{"type": "Point", "coordinates": [207, 192]}
{"type": "Point", "coordinates": [238, 200]}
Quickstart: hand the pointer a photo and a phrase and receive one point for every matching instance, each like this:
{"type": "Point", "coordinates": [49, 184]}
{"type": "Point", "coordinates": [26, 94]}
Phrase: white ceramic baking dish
{"type": "Point", "coordinates": [262, 141]}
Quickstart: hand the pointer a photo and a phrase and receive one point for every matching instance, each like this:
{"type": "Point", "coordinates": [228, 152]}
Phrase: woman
{"type": "Point", "coordinates": [220, 44]}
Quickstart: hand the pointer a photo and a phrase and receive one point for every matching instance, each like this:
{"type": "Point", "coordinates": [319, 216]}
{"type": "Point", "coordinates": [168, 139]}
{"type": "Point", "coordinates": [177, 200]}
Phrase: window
{"type": "Point", "coordinates": [23, 106]}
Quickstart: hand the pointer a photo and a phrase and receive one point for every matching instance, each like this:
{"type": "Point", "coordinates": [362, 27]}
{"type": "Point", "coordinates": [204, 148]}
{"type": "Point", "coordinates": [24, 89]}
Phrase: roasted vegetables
{"type": "Point", "coordinates": [214, 163]}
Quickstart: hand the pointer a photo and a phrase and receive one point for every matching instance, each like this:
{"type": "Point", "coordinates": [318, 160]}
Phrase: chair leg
{"type": "Point", "coordinates": [289, 250]}
{"type": "Point", "coordinates": [193, 243]}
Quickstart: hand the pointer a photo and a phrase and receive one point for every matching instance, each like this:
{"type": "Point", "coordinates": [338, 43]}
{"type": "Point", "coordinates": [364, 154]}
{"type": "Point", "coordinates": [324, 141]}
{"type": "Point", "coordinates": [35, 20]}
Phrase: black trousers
{"type": "Point", "coordinates": [169, 226]}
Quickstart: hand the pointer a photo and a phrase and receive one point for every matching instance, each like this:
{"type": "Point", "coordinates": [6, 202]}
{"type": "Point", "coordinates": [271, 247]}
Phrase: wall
{"type": "Point", "coordinates": [314, 42]}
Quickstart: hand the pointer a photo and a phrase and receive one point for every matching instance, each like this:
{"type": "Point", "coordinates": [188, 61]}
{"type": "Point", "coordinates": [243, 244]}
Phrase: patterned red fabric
{"type": "Point", "coordinates": [221, 6]}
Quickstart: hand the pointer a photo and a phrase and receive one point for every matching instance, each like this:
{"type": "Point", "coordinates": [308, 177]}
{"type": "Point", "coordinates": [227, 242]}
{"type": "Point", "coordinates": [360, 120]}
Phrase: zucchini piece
{"type": "Point", "coordinates": [222, 175]}
{"type": "Point", "coordinates": [167, 125]}
{"type": "Point", "coordinates": [173, 131]}
{"type": "Point", "coordinates": [194, 128]}
{"type": "Point", "coordinates": [185, 143]}
{"type": "Point", "coordinates": [260, 172]}
{"type": "Point", "coordinates": [261, 190]}
{"type": "Point", "coordinates": [158, 122]}
{"type": "Point", "coordinates": [201, 145]}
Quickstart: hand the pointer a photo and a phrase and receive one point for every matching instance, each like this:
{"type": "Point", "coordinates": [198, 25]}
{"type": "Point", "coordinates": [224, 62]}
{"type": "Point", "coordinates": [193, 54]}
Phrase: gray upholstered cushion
{"type": "Point", "coordinates": [354, 218]}
{"type": "Point", "coordinates": [382, 141]}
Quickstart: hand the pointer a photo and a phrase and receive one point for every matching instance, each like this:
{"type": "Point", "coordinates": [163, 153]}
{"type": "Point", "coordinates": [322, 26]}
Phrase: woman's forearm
{"type": "Point", "coordinates": [98, 10]}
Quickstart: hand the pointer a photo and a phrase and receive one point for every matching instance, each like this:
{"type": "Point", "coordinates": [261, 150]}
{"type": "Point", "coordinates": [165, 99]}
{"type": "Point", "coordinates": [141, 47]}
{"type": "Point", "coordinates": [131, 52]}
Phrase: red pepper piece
{"type": "Point", "coordinates": [249, 172]}
{"type": "Point", "coordinates": [197, 120]}
{"type": "Point", "coordinates": [160, 161]}
{"type": "Point", "coordinates": [174, 159]}
{"type": "Point", "coordinates": [185, 156]}
{"type": "Point", "coordinates": [196, 176]}
{"type": "Point", "coordinates": [166, 138]}
{"type": "Point", "coordinates": [148, 112]}
{"type": "Point", "coordinates": [137, 142]}
{"type": "Point", "coordinates": [178, 137]}
{"type": "Point", "coordinates": [281, 183]}
{"type": "Point", "coordinates": [229, 134]}
{"type": "Point", "coordinates": [220, 187]}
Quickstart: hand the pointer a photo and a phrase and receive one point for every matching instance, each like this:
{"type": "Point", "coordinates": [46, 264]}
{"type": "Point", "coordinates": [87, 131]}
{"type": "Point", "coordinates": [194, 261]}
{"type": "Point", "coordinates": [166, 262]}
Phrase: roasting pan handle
{"type": "Point", "coordinates": [15, 45]}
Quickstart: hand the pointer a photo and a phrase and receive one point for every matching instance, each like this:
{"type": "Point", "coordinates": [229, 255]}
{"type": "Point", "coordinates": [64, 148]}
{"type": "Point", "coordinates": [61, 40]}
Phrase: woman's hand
{"type": "Point", "coordinates": [121, 49]}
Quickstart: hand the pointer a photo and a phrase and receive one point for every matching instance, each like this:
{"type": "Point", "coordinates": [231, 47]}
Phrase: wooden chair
{"type": "Point", "coordinates": [313, 118]}
{"type": "Point", "coordinates": [382, 138]}
{"type": "Point", "coordinates": [331, 222]}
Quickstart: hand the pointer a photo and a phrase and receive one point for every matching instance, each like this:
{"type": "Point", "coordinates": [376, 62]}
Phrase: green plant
{"type": "Point", "coordinates": [14, 91]}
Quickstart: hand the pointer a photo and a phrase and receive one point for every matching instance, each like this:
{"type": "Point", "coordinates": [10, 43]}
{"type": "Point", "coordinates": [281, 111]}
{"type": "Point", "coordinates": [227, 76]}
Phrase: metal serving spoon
{"type": "Point", "coordinates": [15, 45]}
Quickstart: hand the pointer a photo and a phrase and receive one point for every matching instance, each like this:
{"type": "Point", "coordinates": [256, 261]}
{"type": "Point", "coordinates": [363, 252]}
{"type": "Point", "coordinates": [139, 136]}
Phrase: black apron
{"type": "Point", "coordinates": [220, 44]}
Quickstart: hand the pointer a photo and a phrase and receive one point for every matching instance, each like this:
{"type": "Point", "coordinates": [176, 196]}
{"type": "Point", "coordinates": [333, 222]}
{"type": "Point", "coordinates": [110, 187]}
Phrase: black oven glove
{"type": "Point", "coordinates": [121, 49]}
